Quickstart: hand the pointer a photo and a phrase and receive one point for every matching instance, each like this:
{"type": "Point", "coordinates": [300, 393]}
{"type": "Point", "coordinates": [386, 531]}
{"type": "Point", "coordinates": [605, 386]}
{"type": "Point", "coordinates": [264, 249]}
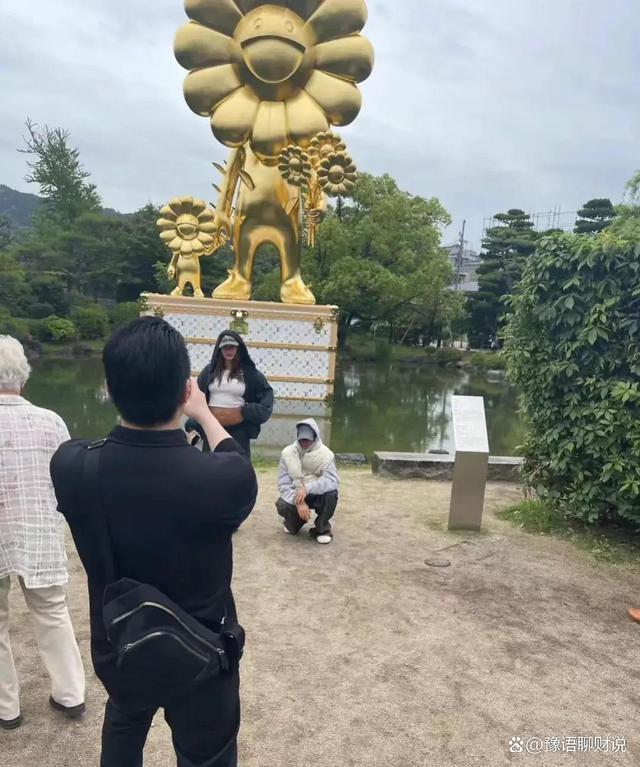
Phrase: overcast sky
{"type": "Point", "coordinates": [486, 104]}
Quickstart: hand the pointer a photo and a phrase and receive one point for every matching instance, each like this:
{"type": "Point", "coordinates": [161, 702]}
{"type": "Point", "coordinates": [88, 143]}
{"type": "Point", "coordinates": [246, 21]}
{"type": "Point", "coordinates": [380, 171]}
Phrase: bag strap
{"type": "Point", "coordinates": [91, 472]}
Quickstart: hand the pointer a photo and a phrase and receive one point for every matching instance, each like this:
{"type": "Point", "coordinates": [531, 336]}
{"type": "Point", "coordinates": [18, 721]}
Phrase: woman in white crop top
{"type": "Point", "coordinates": [239, 394]}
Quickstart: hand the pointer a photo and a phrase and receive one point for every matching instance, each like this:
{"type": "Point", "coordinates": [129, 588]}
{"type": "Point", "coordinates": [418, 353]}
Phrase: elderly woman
{"type": "Point", "coordinates": [32, 542]}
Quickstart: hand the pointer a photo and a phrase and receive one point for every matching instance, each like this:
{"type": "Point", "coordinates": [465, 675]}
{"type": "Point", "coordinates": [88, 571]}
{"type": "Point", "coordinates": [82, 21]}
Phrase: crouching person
{"type": "Point", "coordinates": [308, 481]}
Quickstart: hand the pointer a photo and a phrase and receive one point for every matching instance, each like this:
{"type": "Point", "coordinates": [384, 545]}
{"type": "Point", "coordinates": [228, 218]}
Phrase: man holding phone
{"type": "Point", "coordinates": [171, 512]}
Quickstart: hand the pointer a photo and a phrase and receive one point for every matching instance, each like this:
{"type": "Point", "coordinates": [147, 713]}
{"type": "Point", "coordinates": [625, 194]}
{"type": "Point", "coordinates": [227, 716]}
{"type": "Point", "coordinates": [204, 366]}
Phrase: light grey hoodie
{"type": "Point", "coordinates": [324, 482]}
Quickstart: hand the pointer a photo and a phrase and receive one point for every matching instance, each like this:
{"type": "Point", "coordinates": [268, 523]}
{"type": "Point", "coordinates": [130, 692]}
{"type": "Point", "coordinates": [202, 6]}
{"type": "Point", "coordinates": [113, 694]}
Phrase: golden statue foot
{"type": "Point", "coordinates": [294, 291]}
{"type": "Point", "coordinates": [198, 294]}
{"type": "Point", "coordinates": [176, 291]}
{"type": "Point", "coordinates": [235, 288]}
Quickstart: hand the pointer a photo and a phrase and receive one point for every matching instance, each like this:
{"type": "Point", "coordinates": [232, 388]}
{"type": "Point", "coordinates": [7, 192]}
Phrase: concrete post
{"type": "Point", "coordinates": [472, 463]}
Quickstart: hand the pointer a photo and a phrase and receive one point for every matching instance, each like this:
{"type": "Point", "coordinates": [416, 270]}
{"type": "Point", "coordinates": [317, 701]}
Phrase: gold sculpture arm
{"type": "Point", "coordinates": [233, 174]}
{"type": "Point", "coordinates": [172, 268]}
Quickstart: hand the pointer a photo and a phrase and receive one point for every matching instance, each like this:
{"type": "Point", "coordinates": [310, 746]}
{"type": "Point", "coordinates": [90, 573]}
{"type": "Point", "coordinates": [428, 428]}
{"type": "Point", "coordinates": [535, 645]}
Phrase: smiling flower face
{"type": "Point", "coordinates": [337, 174]}
{"type": "Point", "coordinates": [274, 73]}
{"type": "Point", "coordinates": [187, 227]}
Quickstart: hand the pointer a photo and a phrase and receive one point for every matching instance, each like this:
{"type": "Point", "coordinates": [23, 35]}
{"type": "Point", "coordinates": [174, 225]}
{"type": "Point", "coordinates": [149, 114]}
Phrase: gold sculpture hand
{"type": "Point", "coordinates": [171, 272]}
{"type": "Point", "coordinates": [222, 231]}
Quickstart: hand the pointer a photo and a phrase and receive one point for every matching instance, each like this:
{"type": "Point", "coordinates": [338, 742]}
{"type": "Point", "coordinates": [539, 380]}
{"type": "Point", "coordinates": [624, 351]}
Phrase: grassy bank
{"type": "Point", "coordinates": [367, 349]}
{"type": "Point", "coordinates": [612, 545]}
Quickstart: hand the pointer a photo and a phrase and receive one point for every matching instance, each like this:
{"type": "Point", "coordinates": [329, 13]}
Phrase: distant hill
{"type": "Point", "coordinates": [19, 207]}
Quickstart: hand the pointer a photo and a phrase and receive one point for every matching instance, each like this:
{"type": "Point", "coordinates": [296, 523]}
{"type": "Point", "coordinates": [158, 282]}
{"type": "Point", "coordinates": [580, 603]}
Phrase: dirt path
{"type": "Point", "coordinates": [361, 655]}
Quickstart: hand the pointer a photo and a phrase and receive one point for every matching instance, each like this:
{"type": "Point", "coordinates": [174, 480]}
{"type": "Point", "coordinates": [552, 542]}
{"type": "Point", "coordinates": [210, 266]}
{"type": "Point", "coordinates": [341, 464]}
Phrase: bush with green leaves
{"type": "Point", "coordinates": [58, 330]}
{"type": "Point", "coordinates": [38, 311]}
{"type": "Point", "coordinates": [573, 348]}
{"type": "Point", "coordinates": [123, 313]}
{"type": "Point", "coordinates": [13, 326]}
{"type": "Point", "coordinates": [91, 322]}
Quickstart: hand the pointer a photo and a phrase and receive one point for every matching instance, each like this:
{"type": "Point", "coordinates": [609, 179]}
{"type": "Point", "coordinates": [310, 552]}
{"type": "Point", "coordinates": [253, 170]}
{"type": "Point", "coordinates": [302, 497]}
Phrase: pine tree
{"type": "Point", "coordinates": [595, 216]}
{"type": "Point", "coordinates": [57, 169]}
{"type": "Point", "coordinates": [506, 248]}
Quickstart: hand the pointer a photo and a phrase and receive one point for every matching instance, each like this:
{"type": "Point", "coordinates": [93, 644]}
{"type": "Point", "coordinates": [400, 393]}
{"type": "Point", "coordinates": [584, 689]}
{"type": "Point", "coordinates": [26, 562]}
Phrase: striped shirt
{"type": "Point", "coordinates": [31, 529]}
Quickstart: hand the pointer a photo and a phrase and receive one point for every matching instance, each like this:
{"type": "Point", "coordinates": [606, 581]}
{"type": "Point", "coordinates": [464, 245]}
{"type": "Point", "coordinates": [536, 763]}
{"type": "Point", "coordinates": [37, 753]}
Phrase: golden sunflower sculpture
{"type": "Point", "coordinates": [337, 175]}
{"type": "Point", "coordinates": [188, 229]}
{"type": "Point", "coordinates": [295, 166]}
{"type": "Point", "coordinates": [323, 145]}
{"type": "Point", "coordinates": [277, 73]}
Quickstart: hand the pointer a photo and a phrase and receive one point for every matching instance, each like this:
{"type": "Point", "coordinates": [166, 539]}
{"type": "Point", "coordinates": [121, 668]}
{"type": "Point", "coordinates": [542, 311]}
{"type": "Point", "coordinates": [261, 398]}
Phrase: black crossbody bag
{"type": "Point", "coordinates": [162, 651]}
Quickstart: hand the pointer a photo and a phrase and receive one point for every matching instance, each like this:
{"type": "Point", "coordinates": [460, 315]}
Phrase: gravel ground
{"type": "Point", "coordinates": [361, 655]}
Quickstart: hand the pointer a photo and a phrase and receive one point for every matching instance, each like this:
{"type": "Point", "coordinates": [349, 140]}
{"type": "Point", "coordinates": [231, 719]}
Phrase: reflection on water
{"type": "Point", "coordinates": [408, 409]}
{"type": "Point", "coordinates": [377, 406]}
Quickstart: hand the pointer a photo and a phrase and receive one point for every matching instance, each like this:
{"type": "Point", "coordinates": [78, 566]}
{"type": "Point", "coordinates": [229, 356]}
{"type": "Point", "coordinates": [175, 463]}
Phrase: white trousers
{"type": "Point", "coordinates": [56, 642]}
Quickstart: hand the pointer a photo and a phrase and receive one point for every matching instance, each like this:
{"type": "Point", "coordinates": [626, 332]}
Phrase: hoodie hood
{"type": "Point", "coordinates": [245, 357]}
{"type": "Point", "coordinates": [311, 422]}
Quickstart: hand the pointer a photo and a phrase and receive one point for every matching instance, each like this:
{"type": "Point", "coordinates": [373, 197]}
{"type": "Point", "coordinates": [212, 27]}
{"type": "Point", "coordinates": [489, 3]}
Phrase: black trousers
{"type": "Point", "coordinates": [239, 433]}
{"type": "Point", "coordinates": [324, 506]}
{"type": "Point", "coordinates": [204, 727]}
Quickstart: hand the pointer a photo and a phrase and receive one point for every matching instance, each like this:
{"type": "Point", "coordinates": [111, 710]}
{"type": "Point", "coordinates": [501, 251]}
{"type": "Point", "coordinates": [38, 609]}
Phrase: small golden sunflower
{"type": "Point", "coordinates": [294, 166]}
{"type": "Point", "coordinates": [337, 174]}
{"type": "Point", "coordinates": [187, 227]}
{"type": "Point", "coordinates": [274, 73]}
{"type": "Point", "coordinates": [324, 145]}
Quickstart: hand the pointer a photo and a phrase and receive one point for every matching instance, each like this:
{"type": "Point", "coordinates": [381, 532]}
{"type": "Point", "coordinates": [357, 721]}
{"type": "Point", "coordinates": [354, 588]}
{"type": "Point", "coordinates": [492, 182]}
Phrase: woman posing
{"type": "Point", "coordinates": [239, 394]}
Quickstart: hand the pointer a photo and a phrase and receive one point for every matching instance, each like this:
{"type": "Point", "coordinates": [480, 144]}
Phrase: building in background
{"type": "Point", "coordinates": [465, 262]}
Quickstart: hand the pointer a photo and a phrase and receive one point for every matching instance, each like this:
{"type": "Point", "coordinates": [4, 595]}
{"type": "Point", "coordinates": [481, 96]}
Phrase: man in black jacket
{"type": "Point", "coordinates": [172, 511]}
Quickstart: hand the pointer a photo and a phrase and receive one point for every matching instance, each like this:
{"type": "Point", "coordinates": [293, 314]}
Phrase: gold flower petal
{"type": "Point", "coordinates": [246, 6]}
{"type": "Point", "coordinates": [204, 89]}
{"type": "Point", "coordinates": [221, 15]}
{"type": "Point", "coordinates": [304, 8]}
{"type": "Point", "coordinates": [168, 237]}
{"type": "Point", "coordinates": [166, 212]}
{"type": "Point", "coordinates": [176, 243]}
{"type": "Point", "coordinates": [232, 121]}
{"type": "Point", "coordinates": [205, 239]}
{"type": "Point", "coordinates": [198, 247]}
{"type": "Point", "coordinates": [270, 130]}
{"type": "Point", "coordinates": [176, 206]}
{"type": "Point", "coordinates": [166, 224]}
{"type": "Point", "coordinates": [208, 227]}
{"type": "Point", "coordinates": [351, 58]}
{"type": "Point", "coordinates": [304, 119]}
{"type": "Point", "coordinates": [198, 207]}
{"type": "Point", "coordinates": [338, 18]}
{"type": "Point", "coordinates": [187, 247]}
{"type": "Point", "coordinates": [340, 99]}
{"type": "Point", "coordinates": [196, 47]}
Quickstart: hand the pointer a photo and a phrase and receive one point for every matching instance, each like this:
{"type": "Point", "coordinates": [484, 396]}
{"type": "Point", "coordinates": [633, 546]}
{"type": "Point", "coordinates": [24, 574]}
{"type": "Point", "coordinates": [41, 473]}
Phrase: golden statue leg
{"type": "Point", "coordinates": [292, 288]}
{"type": "Point", "coordinates": [239, 284]}
{"type": "Point", "coordinates": [196, 284]}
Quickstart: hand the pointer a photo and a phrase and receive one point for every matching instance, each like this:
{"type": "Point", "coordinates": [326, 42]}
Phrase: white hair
{"type": "Point", "coordinates": [14, 367]}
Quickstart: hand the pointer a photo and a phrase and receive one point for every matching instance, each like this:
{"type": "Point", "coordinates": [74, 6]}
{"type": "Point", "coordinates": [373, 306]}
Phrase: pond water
{"type": "Point", "coordinates": [378, 406]}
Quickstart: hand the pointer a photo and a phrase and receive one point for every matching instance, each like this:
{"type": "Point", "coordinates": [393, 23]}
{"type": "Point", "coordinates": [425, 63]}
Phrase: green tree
{"type": "Point", "coordinates": [142, 249]}
{"type": "Point", "coordinates": [594, 216]}
{"type": "Point", "coordinates": [5, 232]}
{"type": "Point", "coordinates": [506, 249]}
{"type": "Point", "coordinates": [379, 253]}
{"type": "Point", "coordinates": [57, 170]}
{"type": "Point", "coordinates": [573, 347]}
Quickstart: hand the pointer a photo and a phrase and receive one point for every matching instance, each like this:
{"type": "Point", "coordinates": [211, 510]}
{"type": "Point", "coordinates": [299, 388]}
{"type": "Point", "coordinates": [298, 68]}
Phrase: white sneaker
{"type": "Point", "coordinates": [324, 540]}
{"type": "Point", "coordinates": [286, 529]}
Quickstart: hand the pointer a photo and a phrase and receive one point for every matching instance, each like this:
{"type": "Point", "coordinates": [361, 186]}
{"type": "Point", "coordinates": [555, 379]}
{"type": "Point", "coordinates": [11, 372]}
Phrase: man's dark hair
{"type": "Point", "coordinates": [147, 366]}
